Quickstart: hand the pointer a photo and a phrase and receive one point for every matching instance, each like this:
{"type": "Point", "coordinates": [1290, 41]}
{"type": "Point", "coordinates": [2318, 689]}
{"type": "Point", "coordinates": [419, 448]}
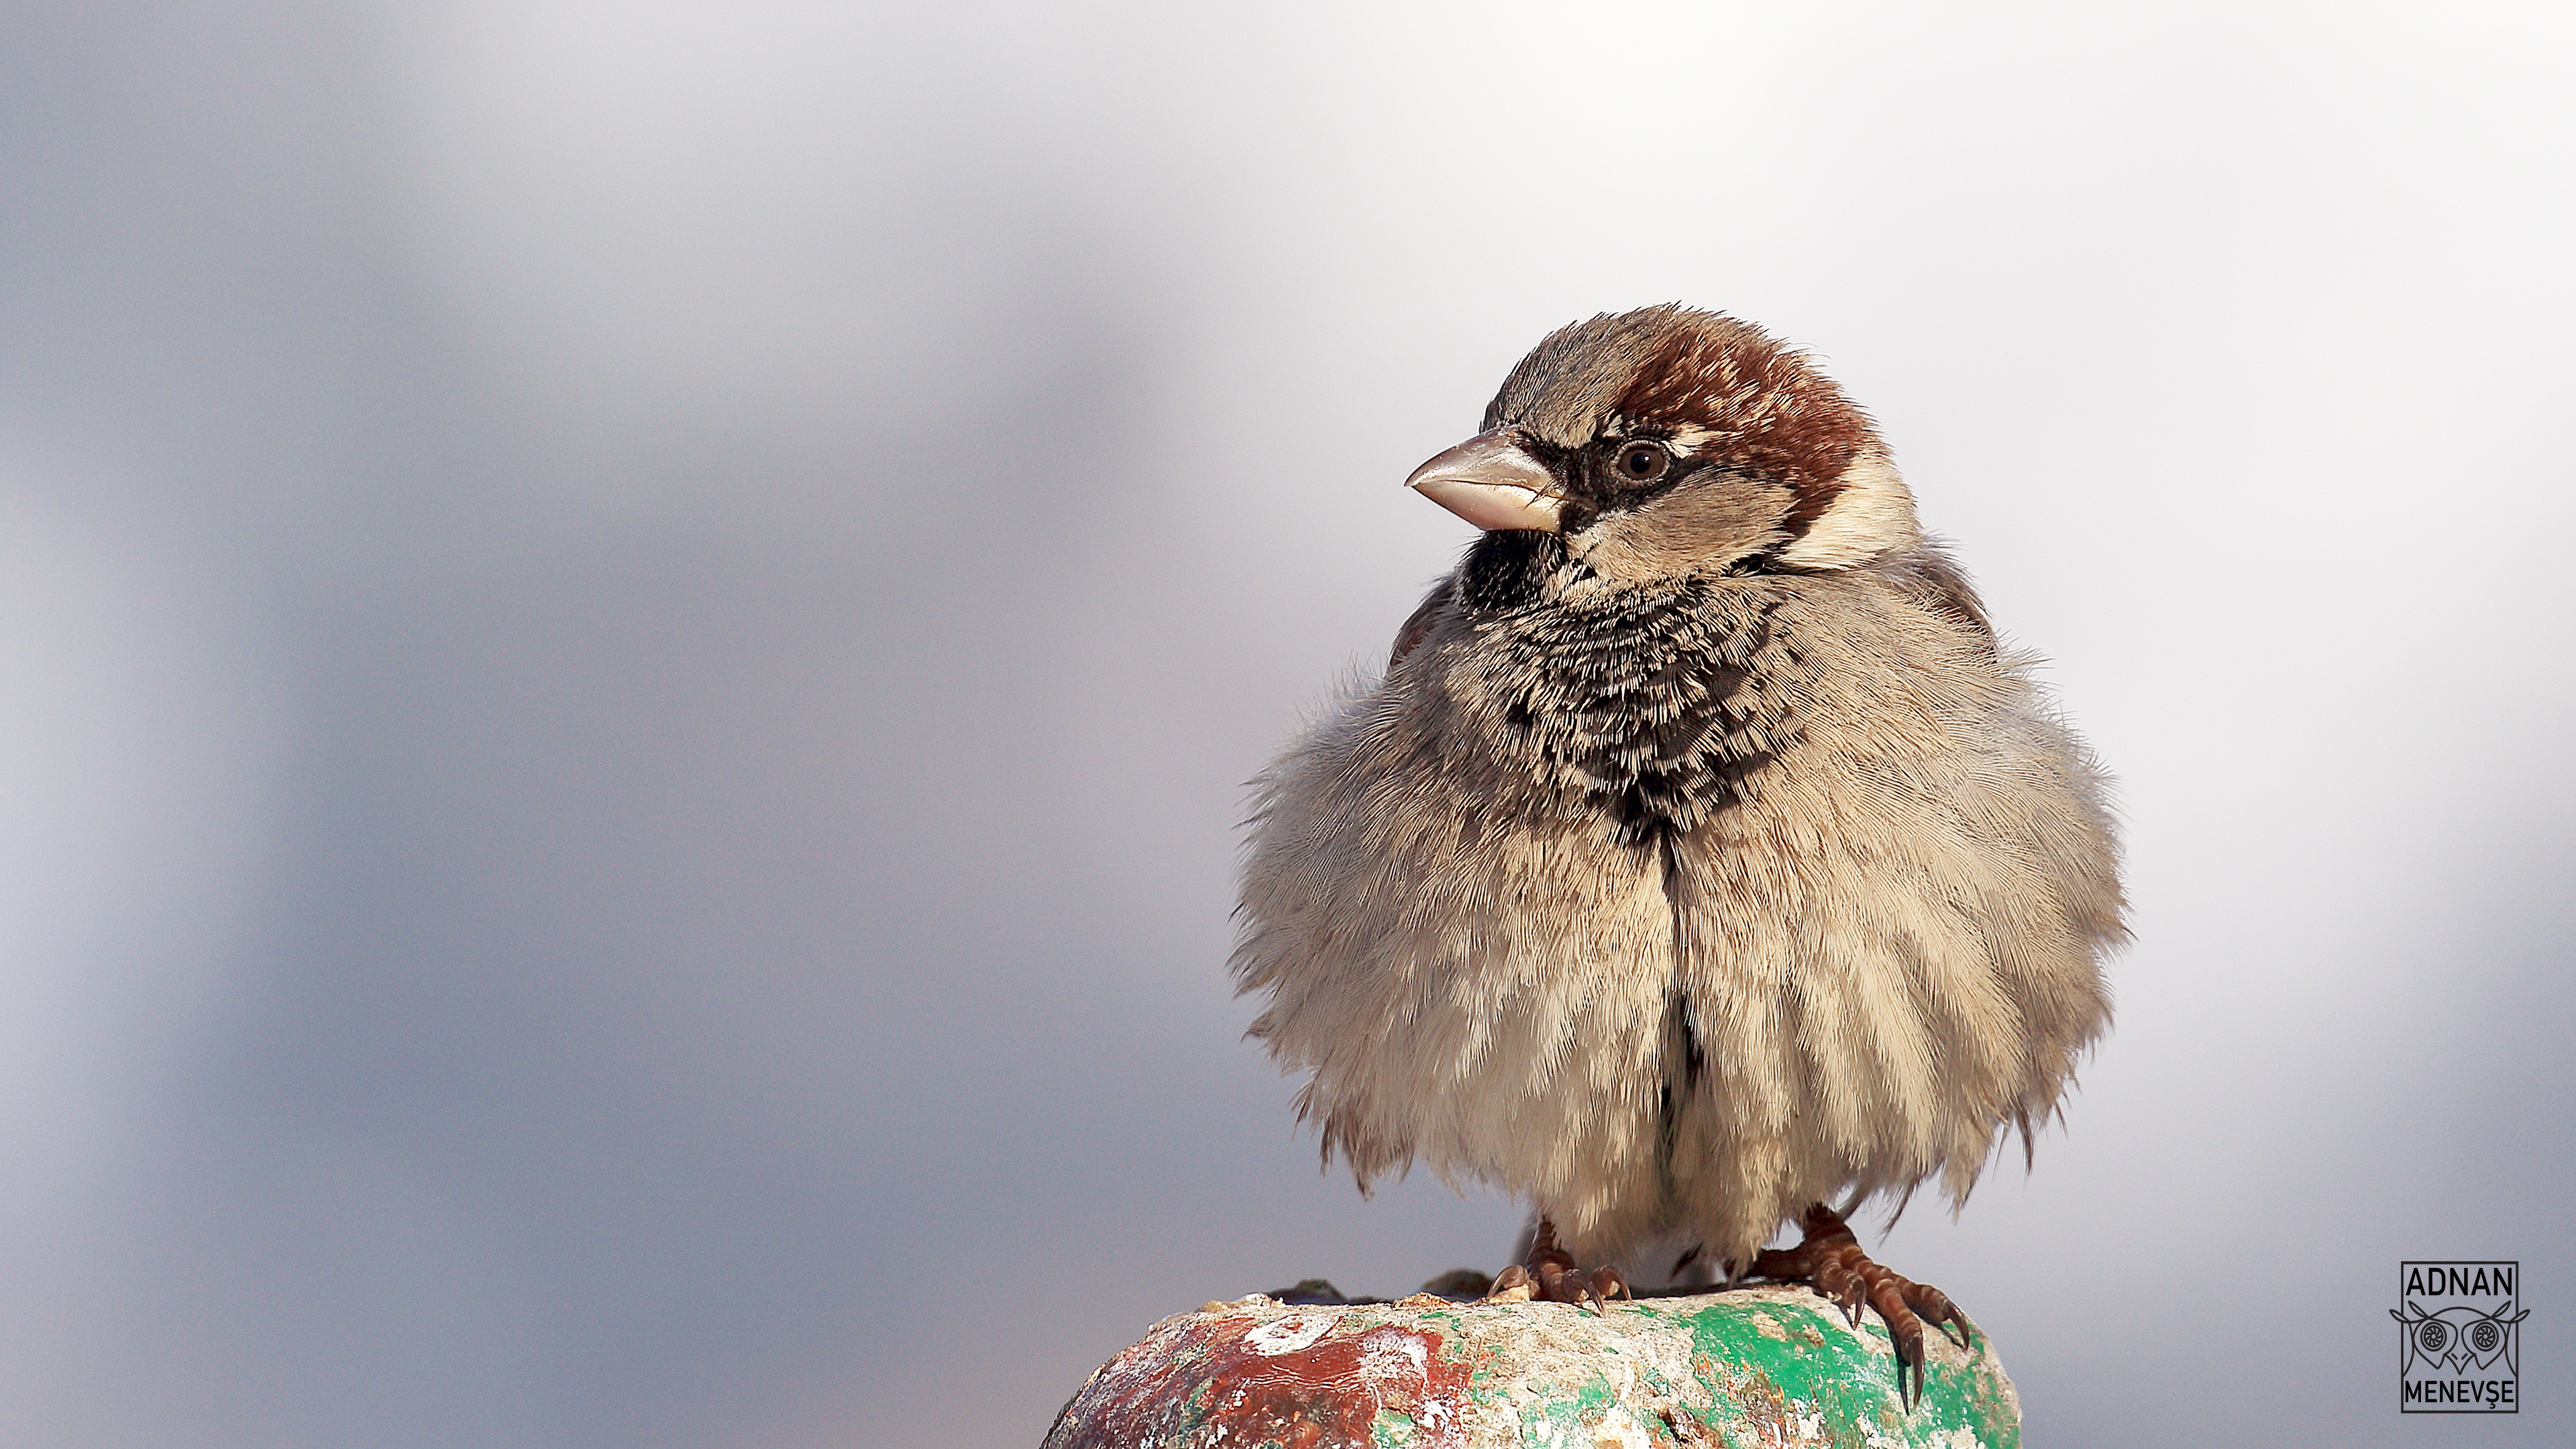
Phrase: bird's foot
{"type": "Point", "coordinates": [1550, 1274]}
{"type": "Point", "coordinates": [1558, 1283]}
{"type": "Point", "coordinates": [1831, 1261]}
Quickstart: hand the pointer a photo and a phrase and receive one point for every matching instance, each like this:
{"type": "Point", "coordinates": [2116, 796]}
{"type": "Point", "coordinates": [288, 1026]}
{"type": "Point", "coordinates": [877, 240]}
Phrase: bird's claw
{"type": "Point", "coordinates": [1569, 1284]}
{"type": "Point", "coordinates": [1831, 1261]}
{"type": "Point", "coordinates": [1512, 1285]}
{"type": "Point", "coordinates": [1550, 1274]}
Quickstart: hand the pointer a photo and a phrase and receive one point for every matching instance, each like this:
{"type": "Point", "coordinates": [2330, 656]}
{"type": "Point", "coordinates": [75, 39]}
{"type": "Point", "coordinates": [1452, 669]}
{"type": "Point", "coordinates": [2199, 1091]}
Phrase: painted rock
{"type": "Point", "coordinates": [1768, 1366]}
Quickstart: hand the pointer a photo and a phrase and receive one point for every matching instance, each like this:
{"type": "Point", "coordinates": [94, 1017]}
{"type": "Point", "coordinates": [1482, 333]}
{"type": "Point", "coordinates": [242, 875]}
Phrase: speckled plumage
{"type": "Point", "coordinates": [1697, 863]}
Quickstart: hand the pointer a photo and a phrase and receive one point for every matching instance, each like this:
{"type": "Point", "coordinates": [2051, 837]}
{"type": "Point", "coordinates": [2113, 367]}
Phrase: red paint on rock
{"type": "Point", "coordinates": [1301, 1382]}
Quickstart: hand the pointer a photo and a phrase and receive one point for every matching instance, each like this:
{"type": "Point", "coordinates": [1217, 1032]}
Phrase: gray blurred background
{"type": "Point", "coordinates": [630, 634]}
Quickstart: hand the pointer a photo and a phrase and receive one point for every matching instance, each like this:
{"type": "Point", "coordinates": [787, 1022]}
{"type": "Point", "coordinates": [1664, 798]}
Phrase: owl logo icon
{"type": "Point", "coordinates": [2458, 1339]}
{"type": "Point", "coordinates": [2459, 1335]}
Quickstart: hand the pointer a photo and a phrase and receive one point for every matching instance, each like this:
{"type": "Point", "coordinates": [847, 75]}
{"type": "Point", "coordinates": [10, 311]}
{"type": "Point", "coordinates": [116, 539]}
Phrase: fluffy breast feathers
{"type": "Point", "coordinates": [1678, 905]}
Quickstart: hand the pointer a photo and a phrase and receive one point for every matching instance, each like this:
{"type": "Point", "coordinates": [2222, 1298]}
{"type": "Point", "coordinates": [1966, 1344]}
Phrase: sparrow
{"type": "Point", "coordinates": [1699, 864]}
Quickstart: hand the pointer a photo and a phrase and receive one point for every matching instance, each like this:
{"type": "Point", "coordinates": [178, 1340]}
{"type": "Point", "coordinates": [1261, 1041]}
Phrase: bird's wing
{"type": "Point", "coordinates": [1938, 582]}
{"type": "Point", "coordinates": [1417, 626]}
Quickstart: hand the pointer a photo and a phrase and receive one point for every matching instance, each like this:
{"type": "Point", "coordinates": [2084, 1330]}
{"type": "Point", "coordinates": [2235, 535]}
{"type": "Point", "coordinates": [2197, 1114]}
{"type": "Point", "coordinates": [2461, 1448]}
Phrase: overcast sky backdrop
{"type": "Point", "coordinates": [630, 634]}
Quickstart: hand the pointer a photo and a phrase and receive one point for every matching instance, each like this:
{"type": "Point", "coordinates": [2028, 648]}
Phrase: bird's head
{"type": "Point", "coordinates": [1669, 441]}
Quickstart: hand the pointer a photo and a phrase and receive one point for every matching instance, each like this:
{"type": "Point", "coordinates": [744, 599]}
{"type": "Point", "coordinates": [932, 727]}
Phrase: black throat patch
{"type": "Point", "coordinates": [1650, 704]}
{"type": "Point", "coordinates": [1510, 569]}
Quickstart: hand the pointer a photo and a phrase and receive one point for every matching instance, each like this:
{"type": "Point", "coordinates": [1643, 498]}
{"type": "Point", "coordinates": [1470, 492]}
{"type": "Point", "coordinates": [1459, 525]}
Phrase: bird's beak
{"type": "Point", "coordinates": [1491, 484]}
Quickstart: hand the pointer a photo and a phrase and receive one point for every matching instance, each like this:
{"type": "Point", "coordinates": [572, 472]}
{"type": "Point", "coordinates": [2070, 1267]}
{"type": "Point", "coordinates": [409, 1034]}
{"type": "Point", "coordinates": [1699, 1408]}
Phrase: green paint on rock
{"type": "Point", "coordinates": [1559, 1417]}
{"type": "Point", "coordinates": [1808, 1358]}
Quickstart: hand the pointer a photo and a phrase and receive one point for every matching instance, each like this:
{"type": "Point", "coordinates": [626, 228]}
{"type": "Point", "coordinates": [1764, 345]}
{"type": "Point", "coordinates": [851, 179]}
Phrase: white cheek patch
{"type": "Point", "coordinates": [1873, 513]}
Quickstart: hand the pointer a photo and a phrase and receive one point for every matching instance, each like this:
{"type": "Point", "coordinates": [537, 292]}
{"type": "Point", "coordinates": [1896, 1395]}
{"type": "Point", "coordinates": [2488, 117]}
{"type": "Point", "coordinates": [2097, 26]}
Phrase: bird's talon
{"type": "Point", "coordinates": [1830, 1259]}
{"type": "Point", "coordinates": [1550, 1274]}
{"type": "Point", "coordinates": [1512, 1285]}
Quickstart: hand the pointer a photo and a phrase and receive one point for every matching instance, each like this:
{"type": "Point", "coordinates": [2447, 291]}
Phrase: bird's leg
{"type": "Point", "coordinates": [1549, 1273]}
{"type": "Point", "coordinates": [1829, 1259]}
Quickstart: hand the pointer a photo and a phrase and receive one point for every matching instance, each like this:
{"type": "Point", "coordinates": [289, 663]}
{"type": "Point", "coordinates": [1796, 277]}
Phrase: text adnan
{"type": "Point", "coordinates": [2430, 1280]}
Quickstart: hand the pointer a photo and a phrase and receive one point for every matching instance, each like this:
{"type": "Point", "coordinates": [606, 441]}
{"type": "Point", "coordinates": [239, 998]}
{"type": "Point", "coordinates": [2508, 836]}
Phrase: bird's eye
{"type": "Point", "coordinates": [1643, 462]}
